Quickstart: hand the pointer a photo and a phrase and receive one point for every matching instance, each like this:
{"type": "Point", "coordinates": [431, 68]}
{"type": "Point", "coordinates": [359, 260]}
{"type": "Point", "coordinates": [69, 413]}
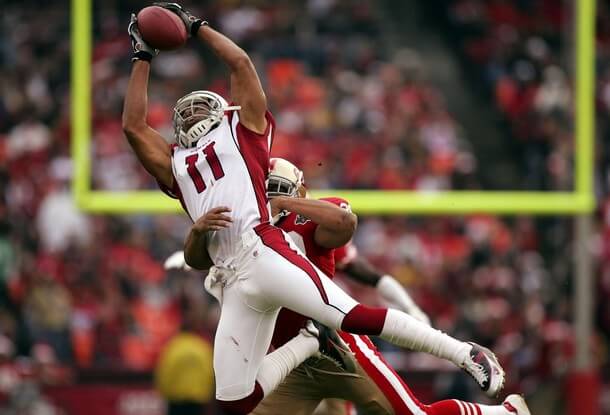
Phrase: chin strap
{"type": "Point", "coordinates": [202, 127]}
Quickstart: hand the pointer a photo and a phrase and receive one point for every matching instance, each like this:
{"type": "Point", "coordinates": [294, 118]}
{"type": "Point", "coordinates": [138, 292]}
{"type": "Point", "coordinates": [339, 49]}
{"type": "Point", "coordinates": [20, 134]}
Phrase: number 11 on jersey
{"type": "Point", "coordinates": [213, 162]}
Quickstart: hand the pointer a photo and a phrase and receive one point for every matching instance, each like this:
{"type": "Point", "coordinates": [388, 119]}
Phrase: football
{"type": "Point", "coordinates": [161, 28]}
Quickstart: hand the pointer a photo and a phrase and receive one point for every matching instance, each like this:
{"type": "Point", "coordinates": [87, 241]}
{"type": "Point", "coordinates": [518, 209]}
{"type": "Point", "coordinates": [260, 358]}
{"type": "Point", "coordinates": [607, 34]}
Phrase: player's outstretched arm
{"type": "Point", "coordinates": [195, 247]}
{"type": "Point", "coordinates": [246, 88]}
{"type": "Point", "coordinates": [359, 269]}
{"type": "Point", "coordinates": [150, 148]}
{"type": "Point", "coordinates": [336, 226]}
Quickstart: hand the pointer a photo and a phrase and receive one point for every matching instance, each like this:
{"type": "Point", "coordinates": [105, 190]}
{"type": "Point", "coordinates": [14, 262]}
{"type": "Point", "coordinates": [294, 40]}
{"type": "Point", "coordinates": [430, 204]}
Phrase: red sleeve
{"type": "Point", "coordinates": [173, 192]}
{"type": "Point", "coordinates": [254, 148]}
{"type": "Point", "coordinates": [270, 128]}
{"type": "Point", "coordinates": [345, 254]}
{"type": "Point", "coordinates": [269, 132]}
{"type": "Point", "coordinates": [342, 203]}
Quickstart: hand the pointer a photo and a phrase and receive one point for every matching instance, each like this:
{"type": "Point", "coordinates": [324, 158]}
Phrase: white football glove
{"type": "Point", "coordinates": [176, 261]}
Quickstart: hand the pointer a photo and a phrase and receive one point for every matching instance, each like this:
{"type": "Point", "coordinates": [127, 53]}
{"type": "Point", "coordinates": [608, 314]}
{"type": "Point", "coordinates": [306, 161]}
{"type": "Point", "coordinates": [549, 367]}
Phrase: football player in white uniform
{"type": "Point", "coordinates": [217, 169]}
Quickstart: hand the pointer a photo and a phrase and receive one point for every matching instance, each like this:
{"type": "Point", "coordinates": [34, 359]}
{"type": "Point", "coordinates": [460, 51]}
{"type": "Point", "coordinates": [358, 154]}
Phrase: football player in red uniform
{"type": "Point", "coordinates": [351, 368]}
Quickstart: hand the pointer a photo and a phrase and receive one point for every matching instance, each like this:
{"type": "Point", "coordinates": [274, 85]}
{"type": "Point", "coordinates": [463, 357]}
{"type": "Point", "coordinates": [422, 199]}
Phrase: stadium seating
{"type": "Point", "coordinates": [89, 292]}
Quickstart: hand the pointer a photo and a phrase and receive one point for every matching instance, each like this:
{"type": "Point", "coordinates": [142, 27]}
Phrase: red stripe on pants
{"type": "Point", "coordinates": [380, 379]}
{"type": "Point", "coordinates": [274, 239]}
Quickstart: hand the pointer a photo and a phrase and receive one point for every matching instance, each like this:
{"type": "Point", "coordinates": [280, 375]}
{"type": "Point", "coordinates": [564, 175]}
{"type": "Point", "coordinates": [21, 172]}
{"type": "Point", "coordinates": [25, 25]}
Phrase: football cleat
{"type": "Point", "coordinates": [483, 366]}
{"type": "Point", "coordinates": [332, 347]}
{"type": "Point", "coordinates": [516, 404]}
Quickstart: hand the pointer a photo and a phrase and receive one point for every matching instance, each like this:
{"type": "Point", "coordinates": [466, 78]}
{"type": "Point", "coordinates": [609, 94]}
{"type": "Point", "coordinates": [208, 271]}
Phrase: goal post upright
{"type": "Point", "coordinates": [364, 202]}
{"type": "Point", "coordinates": [579, 202]}
{"type": "Point", "coordinates": [583, 295]}
{"type": "Point", "coordinates": [80, 100]}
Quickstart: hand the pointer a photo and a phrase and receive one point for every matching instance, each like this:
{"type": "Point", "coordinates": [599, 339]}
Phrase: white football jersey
{"type": "Point", "coordinates": [228, 167]}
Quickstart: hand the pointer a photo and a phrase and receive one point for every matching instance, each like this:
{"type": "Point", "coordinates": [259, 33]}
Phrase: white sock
{"type": "Point", "coordinates": [279, 363]}
{"type": "Point", "coordinates": [469, 408]}
{"type": "Point", "coordinates": [403, 330]}
{"type": "Point", "coordinates": [494, 410]}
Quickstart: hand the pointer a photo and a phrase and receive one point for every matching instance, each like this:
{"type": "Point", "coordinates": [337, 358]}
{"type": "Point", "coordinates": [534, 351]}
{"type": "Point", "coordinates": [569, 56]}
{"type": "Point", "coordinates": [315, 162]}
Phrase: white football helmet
{"type": "Point", "coordinates": [196, 114]}
{"type": "Point", "coordinates": [285, 179]}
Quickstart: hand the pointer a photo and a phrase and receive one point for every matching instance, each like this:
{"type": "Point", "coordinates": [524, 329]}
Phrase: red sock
{"type": "Point", "coordinates": [364, 320]}
{"type": "Point", "coordinates": [453, 407]}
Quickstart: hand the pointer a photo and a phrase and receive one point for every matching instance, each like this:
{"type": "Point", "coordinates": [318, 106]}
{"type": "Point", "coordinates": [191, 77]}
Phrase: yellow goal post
{"type": "Point", "coordinates": [580, 200]}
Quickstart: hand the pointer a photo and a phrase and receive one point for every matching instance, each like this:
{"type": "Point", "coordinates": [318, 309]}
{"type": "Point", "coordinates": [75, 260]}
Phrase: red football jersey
{"type": "Point", "coordinates": [344, 254]}
{"type": "Point", "coordinates": [302, 231]}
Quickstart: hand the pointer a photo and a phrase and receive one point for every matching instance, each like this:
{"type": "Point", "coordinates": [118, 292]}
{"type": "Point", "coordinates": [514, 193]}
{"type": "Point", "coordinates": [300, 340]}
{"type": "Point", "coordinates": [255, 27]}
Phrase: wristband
{"type": "Point", "coordinates": [197, 25]}
{"type": "Point", "coordinates": [142, 56]}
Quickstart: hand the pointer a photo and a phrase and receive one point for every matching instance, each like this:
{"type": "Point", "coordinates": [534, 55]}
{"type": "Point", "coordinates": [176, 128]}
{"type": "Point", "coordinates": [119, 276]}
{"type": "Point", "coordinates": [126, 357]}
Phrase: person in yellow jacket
{"type": "Point", "coordinates": [185, 376]}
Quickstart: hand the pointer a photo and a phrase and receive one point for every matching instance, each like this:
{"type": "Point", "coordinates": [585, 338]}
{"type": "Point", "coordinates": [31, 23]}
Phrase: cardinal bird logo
{"type": "Point", "coordinates": [301, 220]}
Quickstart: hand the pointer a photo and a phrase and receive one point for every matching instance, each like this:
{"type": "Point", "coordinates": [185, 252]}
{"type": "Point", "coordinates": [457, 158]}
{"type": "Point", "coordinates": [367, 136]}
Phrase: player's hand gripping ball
{"type": "Point", "coordinates": [161, 28]}
{"type": "Point", "coordinates": [191, 22]}
{"type": "Point", "coordinates": [141, 49]}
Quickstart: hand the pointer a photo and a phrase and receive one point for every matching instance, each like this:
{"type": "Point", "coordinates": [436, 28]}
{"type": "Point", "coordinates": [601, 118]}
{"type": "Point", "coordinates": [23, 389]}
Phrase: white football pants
{"type": "Point", "coordinates": [268, 273]}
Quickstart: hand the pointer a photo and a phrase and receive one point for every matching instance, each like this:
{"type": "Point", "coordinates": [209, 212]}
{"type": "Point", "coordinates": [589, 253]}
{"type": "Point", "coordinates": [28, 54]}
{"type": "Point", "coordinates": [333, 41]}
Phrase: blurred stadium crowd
{"type": "Point", "coordinates": [90, 291]}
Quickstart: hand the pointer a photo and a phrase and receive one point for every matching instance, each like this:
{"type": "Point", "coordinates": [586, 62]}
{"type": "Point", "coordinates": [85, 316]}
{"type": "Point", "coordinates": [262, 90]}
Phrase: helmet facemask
{"type": "Point", "coordinates": [284, 179]}
{"type": "Point", "coordinates": [196, 114]}
{"type": "Point", "coordinates": [281, 186]}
